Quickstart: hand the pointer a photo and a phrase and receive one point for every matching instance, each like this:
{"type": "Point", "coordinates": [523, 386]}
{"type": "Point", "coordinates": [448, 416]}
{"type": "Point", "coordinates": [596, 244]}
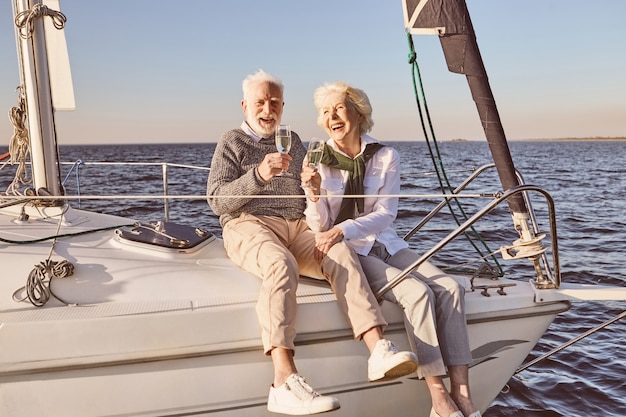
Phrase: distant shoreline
{"type": "Point", "coordinates": [596, 139]}
{"type": "Point", "coordinates": [4, 148]}
{"type": "Point", "coordinates": [590, 139]}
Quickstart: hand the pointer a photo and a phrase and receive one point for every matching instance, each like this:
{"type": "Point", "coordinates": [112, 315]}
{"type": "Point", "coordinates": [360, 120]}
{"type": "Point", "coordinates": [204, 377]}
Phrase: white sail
{"type": "Point", "coordinates": [61, 84]}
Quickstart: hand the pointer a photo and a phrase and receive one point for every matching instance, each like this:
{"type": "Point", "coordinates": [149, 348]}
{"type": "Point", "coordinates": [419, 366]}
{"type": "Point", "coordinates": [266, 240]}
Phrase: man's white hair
{"type": "Point", "coordinates": [258, 77]}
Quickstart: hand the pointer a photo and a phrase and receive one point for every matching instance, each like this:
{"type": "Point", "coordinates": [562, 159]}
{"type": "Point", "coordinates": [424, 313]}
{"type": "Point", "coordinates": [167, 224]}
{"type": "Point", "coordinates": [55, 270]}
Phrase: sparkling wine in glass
{"type": "Point", "coordinates": [283, 140]}
{"type": "Point", "coordinates": [314, 152]}
{"type": "Point", "coordinates": [314, 155]}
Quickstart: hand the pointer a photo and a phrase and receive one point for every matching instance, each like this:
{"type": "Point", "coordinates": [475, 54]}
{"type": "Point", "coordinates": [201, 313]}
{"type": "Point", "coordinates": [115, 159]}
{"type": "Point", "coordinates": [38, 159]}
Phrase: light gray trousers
{"type": "Point", "coordinates": [434, 307]}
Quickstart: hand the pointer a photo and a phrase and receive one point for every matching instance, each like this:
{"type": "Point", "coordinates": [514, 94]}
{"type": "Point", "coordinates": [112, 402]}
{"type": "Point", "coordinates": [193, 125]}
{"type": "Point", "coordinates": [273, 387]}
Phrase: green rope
{"type": "Point", "coordinates": [435, 155]}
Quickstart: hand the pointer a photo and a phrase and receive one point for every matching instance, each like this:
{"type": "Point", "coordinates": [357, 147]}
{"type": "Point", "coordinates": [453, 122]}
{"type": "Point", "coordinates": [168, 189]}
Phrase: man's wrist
{"type": "Point", "coordinates": [258, 175]}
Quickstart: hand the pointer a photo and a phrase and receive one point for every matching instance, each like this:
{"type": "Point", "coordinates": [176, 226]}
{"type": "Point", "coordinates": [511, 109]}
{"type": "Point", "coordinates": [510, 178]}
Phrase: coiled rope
{"type": "Point", "coordinates": [435, 155]}
{"type": "Point", "coordinates": [19, 148]}
{"type": "Point", "coordinates": [39, 282]}
{"type": "Point", "coordinates": [38, 286]}
{"type": "Point", "coordinates": [25, 21]}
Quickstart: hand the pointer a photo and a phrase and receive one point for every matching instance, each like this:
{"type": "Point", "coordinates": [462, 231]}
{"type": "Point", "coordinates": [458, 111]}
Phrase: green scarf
{"type": "Point", "coordinates": [354, 186]}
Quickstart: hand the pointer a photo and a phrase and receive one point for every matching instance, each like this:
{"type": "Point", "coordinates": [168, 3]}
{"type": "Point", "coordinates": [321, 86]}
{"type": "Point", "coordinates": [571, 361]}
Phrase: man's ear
{"type": "Point", "coordinates": [244, 106]}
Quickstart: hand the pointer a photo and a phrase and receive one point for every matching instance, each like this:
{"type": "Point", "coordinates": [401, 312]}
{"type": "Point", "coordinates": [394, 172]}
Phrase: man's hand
{"type": "Point", "coordinates": [272, 165]}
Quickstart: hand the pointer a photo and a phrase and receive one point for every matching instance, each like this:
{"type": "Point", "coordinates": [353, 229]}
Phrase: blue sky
{"type": "Point", "coordinates": [147, 71]}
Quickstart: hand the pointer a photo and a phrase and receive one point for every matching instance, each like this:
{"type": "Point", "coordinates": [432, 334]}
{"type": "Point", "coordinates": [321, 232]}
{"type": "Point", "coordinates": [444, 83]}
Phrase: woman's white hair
{"type": "Point", "coordinates": [354, 96]}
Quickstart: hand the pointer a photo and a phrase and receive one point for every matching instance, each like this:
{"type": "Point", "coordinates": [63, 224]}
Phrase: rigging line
{"type": "Point", "coordinates": [38, 286]}
{"type": "Point", "coordinates": [23, 199]}
{"type": "Point", "coordinates": [10, 203]}
{"type": "Point", "coordinates": [58, 236]}
{"type": "Point", "coordinates": [571, 342]}
{"type": "Point", "coordinates": [479, 259]}
{"type": "Point", "coordinates": [76, 165]}
{"type": "Point", "coordinates": [19, 147]}
{"type": "Point", "coordinates": [437, 160]}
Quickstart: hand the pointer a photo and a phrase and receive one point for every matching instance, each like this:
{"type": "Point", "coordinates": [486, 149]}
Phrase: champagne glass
{"type": "Point", "coordinates": [314, 155]}
{"type": "Point", "coordinates": [283, 140]}
{"type": "Point", "coordinates": [314, 152]}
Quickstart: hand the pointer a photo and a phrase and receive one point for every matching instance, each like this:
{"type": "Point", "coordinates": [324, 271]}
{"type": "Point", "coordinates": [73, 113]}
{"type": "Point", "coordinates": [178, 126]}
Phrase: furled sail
{"type": "Point", "coordinates": [61, 85]}
{"type": "Point", "coordinates": [450, 20]}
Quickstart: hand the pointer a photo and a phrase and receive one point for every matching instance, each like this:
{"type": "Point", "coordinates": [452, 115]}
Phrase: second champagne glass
{"type": "Point", "coordinates": [314, 154]}
{"type": "Point", "coordinates": [283, 140]}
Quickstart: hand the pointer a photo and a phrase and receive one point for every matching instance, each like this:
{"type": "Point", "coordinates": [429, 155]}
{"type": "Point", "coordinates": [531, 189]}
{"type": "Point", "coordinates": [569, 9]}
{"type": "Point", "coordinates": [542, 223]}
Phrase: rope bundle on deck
{"type": "Point", "coordinates": [40, 278]}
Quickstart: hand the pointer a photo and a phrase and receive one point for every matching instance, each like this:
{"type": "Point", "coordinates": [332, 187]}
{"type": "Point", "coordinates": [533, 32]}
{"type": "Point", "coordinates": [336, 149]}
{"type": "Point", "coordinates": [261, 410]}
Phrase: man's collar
{"type": "Point", "coordinates": [250, 132]}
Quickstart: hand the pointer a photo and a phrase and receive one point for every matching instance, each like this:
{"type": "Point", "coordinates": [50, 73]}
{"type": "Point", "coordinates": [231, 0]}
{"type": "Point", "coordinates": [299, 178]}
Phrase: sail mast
{"type": "Point", "coordinates": [450, 20]}
{"type": "Point", "coordinates": [39, 107]}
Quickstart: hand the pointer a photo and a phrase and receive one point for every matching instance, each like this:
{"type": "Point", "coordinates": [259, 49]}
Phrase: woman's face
{"type": "Point", "coordinates": [340, 119]}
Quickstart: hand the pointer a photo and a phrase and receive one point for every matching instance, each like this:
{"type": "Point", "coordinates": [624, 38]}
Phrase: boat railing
{"type": "Point", "coordinates": [165, 166]}
{"type": "Point", "coordinates": [545, 276]}
{"type": "Point", "coordinates": [476, 173]}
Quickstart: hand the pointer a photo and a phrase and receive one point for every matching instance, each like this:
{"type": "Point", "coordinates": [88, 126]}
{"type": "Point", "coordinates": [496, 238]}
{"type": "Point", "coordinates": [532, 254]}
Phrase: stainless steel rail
{"type": "Point", "coordinates": [555, 279]}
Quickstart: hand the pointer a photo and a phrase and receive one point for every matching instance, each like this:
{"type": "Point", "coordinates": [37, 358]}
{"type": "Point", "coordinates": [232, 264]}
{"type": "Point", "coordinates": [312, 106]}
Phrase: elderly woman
{"type": "Point", "coordinates": [357, 164]}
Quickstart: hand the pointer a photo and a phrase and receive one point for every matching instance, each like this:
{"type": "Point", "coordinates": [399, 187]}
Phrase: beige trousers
{"type": "Point", "coordinates": [279, 251]}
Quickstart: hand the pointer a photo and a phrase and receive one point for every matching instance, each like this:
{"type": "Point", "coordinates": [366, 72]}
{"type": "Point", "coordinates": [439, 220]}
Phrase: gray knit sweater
{"type": "Point", "coordinates": [233, 173]}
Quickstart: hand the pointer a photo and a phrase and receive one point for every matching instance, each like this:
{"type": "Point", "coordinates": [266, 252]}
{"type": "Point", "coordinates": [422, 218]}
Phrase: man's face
{"type": "Point", "coordinates": [263, 108]}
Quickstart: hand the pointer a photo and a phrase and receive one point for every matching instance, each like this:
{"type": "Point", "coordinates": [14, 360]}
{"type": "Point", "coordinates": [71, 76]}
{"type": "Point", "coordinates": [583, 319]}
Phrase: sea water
{"type": "Point", "coordinates": [585, 178]}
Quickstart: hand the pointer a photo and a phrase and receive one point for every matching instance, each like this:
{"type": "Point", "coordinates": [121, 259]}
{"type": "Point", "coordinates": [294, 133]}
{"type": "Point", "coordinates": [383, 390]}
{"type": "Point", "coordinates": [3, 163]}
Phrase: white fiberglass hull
{"type": "Point", "coordinates": [157, 333]}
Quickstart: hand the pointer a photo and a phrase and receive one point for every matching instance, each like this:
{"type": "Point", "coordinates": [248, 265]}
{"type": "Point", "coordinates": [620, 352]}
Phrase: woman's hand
{"type": "Point", "coordinates": [325, 240]}
{"type": "Point", "coordinates": [311, 182]}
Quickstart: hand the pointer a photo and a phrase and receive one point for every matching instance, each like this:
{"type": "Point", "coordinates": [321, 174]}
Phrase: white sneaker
{"type": "Point", "coordinates": [386, 363]}
{"type": "Point", "coordinates": [297, 398]}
